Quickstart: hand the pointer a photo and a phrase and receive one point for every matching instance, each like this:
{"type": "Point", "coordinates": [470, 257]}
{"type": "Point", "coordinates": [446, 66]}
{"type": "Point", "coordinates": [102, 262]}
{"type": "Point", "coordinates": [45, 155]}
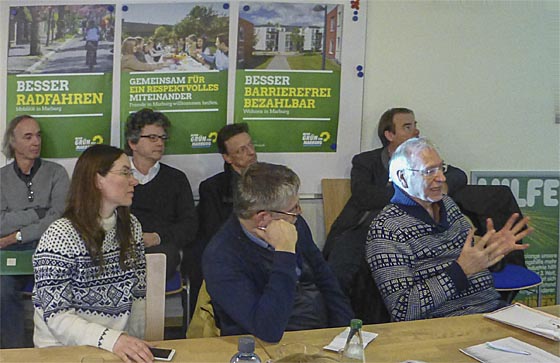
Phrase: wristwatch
{"type": "Point", "coordinates": [19, 239]}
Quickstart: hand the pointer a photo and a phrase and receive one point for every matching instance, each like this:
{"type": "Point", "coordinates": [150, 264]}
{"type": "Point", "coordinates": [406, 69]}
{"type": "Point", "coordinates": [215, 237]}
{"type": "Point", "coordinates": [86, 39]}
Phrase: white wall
{"type": "Point", "coordinates": [482, 78]}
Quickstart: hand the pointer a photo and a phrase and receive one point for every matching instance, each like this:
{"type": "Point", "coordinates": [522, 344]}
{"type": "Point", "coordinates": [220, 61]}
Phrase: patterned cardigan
{"type": "Point", "coordinates": [413, 261]}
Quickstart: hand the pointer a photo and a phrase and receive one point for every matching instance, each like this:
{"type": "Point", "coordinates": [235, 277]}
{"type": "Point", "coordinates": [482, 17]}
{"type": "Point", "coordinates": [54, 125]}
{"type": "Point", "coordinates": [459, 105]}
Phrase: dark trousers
{"type": "Point", "coordinates": [12, 334]}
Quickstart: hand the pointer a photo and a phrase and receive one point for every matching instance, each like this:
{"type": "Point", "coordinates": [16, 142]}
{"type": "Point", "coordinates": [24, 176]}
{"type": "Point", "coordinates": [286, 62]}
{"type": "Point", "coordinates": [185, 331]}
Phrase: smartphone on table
{"type": "Point", "coordinates": [163, 354]}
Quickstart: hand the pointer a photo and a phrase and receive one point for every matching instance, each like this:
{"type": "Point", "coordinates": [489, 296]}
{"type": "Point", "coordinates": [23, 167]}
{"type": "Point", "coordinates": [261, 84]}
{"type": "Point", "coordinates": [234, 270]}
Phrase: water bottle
{"type": "Point", "coordinates": [354, 348]}
{"type": "Point", "coordinates": [246, 353]}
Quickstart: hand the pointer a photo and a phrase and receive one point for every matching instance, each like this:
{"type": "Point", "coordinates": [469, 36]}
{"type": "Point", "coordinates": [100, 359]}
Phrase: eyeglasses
{"type": "Point", "coordinates": [154, 137]}
{"type": "Point", "coordinates": [30, 193]}
{"type": "Point", "coordinates": [294, 212]}
{"type": "Point", "coordinates": [431, 172]}
{"type": "Point", "coordinates": [124, 172]}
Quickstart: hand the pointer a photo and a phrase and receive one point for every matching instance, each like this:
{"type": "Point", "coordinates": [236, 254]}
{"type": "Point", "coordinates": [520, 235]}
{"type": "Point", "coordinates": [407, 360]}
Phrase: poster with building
{"type": "Point", "coordinates": [60, 64]}
{"type": "Point", "coordinates": [175, 60]}
{"type": "Point", "coordinates": [537, 194]}
{"type": "Point", "coordinates": [288, 75]}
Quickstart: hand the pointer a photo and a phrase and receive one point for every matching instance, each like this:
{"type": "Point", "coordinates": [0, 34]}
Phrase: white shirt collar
{"type": "Point", "coordinates": [145, 179]}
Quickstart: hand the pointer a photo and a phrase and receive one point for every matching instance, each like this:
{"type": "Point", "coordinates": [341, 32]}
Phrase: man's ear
{"type": "Point", "coordinates": [402, 178]}
{"type": "Point", "coordinates": [261, 218]}
{"type": "Point", "coordinates": [131, 145]}
{"type": "Point", "coordinates": [389, 135]}
{"type": "Point", "coordinates": [227, 158]}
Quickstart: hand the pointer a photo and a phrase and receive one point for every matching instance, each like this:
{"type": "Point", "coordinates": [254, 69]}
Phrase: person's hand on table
{"type": "Point", "coordinates": [130, 349]}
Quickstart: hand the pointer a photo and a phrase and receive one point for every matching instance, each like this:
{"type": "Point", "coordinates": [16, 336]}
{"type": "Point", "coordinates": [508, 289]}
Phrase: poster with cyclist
{"type": "Point", "coordinates": [60, 65]}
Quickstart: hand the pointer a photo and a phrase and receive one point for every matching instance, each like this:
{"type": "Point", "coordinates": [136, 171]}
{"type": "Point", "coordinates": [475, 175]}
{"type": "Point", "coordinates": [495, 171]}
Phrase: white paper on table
{"type": "Point", "coordinates": [339, 341]}
{"type": "Point", "coordinates": [526, 318]}
{"type": "Point", "coordinates": [483, 353]}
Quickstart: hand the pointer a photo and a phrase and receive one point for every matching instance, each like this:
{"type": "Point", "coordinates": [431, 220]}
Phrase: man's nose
{"type": "Point", "coordinates": [440, 176]}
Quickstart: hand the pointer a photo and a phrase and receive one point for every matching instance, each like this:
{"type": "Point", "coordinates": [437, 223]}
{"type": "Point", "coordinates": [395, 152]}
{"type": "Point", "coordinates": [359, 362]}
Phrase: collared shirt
{"type": "Point", "coordinates": [27, 177]}
{"type": "Point", "coordinates": [257, 240]}
{"type": "Point", "coordinates": [145, 179]}
{"type": "Point", "coordinates": [410, 206]}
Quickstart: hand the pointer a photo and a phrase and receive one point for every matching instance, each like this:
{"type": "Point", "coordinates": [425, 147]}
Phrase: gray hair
{"type": "Point", "coordinates": [138, 120]}
{"type": "Point", "coordinates": [406, 156]}
{"type": "Point", "coordinates": [264, 186]}
{"type": "Point", "coordinates": [7, 148]}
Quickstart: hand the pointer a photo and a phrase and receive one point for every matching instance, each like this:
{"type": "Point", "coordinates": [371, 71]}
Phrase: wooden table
{"type": "Point", "coordinates": [434, 340]}
{"type": "Point", "coordinates": [187, 350]}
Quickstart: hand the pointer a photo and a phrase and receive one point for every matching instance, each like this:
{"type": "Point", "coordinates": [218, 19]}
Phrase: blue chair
{"type": "Point", "coordinates": [513, 278]}
{"type": "Point", "coordinates": [178, 285]}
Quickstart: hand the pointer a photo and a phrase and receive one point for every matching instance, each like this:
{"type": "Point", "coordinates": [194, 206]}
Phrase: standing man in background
{"type": "Point", "coordinates": [33, 195]}
{"type": "Point", "coordinates": [163, 200]}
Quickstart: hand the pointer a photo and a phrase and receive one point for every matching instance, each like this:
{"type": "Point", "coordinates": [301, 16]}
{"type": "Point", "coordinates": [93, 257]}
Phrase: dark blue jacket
{"type": "Point", "coordinates": [253, 296]}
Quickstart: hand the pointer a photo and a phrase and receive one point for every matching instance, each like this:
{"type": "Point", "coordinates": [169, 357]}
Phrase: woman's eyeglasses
{"type": "Point", "coordinates": [124, 172]}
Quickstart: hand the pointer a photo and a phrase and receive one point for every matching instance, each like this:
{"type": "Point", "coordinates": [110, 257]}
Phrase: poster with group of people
{"type": "Point", "coordinates": [282, 75]}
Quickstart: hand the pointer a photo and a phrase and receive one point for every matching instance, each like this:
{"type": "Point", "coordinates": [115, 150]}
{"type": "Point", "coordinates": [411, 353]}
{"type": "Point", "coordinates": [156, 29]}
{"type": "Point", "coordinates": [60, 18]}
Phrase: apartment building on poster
{"type": "Point", "coordinates": [278, 38]}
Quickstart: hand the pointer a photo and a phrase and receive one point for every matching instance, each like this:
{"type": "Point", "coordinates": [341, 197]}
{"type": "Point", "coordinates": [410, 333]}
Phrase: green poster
{"type": "Point", "coordinates": [175, 59]}
{"type": "Point", "coordinates": [537, 194]}
{"type": "Point", "coordinates": [60, 73]}
{"type": "Point", "coordinates": [287, 87]}
{"type": "Point", "coordinates": [289, 110]}
{"type": "Point", "coordinates": [194, 102]}
{"type": "Point", "coordinates": [74, 111]}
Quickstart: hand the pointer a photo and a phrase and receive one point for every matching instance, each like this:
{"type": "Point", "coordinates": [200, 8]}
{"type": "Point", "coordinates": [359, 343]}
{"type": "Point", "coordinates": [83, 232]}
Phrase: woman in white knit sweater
{"type": "Point", "coordinates": [90, 268]}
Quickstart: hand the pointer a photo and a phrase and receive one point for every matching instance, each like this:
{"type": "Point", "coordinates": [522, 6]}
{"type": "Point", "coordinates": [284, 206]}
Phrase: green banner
{"type": "Point", "coordinates": [196, 104]}
{"type": "Point", "coordinates": [537, 196]}
{"type": "Point", "coordinates": [294, 111]}
{"type": "Point", "coordinates": [74, 110]}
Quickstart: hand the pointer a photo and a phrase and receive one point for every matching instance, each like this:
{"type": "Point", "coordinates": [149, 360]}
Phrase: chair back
{"type": "Point", "coordinates": [336, 193]}
{"type": "Point", "coordinates": [155, 295]}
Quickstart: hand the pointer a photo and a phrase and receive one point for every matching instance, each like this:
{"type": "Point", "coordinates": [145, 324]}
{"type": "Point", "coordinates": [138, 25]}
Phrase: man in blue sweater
{"type": "Point", "coordinates": [264, 273]}
{"type": "Point", "coordinates": [421, 250]}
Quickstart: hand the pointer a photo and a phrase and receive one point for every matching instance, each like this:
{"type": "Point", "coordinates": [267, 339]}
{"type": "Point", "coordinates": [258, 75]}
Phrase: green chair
{"type": "Point", "coordinates": [16, 262]}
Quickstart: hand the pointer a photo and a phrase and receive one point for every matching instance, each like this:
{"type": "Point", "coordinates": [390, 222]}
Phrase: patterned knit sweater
{"type": "Point", "coordinates": [413, 261]}
{"type": "Point", "coordinates": [76, 303]}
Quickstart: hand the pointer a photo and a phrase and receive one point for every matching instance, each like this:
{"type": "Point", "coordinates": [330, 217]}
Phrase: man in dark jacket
{"type": "Point", "coordinates": [264, 273]}
{"type": "Point", "coordinates": [216, 197]}
{"type": "Point", "coordinates": [216, 200]}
